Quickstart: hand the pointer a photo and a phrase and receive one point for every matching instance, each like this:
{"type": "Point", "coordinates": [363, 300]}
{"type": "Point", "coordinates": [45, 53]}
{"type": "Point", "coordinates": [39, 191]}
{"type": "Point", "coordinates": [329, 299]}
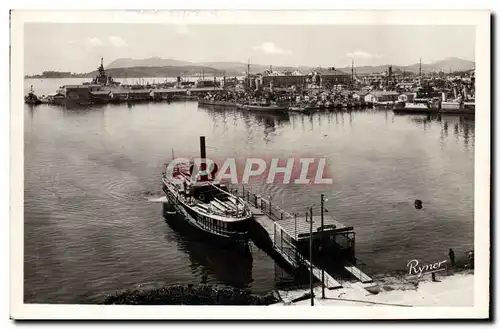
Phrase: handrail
{"type": "Point", "coordinates": [274, 212]}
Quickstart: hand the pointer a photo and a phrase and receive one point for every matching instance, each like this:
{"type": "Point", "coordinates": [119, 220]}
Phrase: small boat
{"type": "Point", "coordinates": [54, 99]}
{"type": "Point", "coordinates": [211, 102]}
{"type": "Point", "coordinates": [418, 106]}
{"type": "Point", "coordinates": [412, 108]}
{"type": "Point", "coordinates": [470, 104]}
{"type": "Point", "coordinates": [31, 98]}
{"type": "Point", "coordinates": [266, 108]}
{"type": "Point", "coordinates": [205, 204]}
{"type": "Point", "coordinates": [299, 109]}
{"type": "Point", "coordinates": [452, 105]}
{"type": "Point", "coordinates": [384, 103]}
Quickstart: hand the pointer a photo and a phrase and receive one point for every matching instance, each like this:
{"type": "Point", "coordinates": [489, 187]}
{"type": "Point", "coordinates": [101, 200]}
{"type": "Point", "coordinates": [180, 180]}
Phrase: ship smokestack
{"type": "Point", "coordinates": [203, 153]}
{"type": "Point", "coordinates": [203, 164]}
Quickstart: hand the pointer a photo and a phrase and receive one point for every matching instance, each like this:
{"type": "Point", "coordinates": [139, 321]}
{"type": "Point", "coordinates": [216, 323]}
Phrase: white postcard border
{"type": "Point", "coordinates": [480, 19]}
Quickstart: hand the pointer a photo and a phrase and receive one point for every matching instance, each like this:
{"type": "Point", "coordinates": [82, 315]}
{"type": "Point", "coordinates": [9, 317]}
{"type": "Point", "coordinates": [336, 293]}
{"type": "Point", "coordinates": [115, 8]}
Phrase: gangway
{"type": "Point", "coordinates": [330, 282]}
{"type": "Point", "coordinates": [283, 234]}
{"type": "Point", "coordinates": [360, 275]}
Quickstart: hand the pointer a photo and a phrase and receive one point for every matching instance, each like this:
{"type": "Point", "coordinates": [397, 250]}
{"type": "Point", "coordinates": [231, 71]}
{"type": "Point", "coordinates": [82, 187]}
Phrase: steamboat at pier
{"type": "Point", "coordinates": [206, 204]}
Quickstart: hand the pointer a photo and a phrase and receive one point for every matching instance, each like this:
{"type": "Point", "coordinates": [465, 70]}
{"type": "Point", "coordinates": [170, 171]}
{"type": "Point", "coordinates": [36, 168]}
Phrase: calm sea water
{"type": "Point", "coordinates": [90, 230]}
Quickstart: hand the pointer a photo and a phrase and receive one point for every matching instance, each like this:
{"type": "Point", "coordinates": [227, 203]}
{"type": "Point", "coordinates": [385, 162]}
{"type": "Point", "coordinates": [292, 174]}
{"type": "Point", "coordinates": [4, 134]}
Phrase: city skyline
{"type": "Point", "coordinates": [71, 47]}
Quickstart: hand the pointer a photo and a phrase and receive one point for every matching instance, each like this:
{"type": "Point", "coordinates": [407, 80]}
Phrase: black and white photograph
{"type": "Point", "coordinates": [331, 162]}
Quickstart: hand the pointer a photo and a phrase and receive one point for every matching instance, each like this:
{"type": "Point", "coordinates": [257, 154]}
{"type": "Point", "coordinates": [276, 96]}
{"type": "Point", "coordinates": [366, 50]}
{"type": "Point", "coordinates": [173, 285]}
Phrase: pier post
{"type": "Point", "coordinates": [295, 227]}
{"type": "Point", "coordinates": [310, 255]}
{"type": "Point", "coordinates": [255, 198]}
{"type": "Point", "coordinates": [322, 247]}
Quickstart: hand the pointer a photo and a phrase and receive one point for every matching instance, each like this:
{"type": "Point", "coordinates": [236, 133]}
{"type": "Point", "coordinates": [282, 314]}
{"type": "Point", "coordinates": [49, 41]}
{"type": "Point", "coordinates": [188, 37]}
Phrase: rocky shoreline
{"type": "Point", "coordinates": [201, 294]}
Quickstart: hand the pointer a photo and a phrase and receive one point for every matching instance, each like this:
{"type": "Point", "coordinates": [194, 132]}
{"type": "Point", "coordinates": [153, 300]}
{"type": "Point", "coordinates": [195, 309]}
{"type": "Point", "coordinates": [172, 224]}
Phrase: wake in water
{"type": "Point", "coordinates": [163, 199]}
{"type": "Point", "coordinates": [158, 199]}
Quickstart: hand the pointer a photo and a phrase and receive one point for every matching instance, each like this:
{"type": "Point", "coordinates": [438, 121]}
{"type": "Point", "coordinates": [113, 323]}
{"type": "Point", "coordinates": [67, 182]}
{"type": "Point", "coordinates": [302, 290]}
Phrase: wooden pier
{"type": "Point", "coordinates": [289, 236]}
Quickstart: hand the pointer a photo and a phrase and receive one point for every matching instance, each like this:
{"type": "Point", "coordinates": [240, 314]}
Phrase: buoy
{"type": "Point", "coordinates": [418, 204]}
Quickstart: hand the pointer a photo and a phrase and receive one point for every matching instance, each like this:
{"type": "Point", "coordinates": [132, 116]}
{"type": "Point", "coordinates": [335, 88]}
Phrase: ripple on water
{"type": "Point", "coordinates": [90, 230]}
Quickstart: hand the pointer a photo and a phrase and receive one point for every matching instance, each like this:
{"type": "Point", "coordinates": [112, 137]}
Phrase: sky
{"type": "Point", "coordinates": [78, 47]}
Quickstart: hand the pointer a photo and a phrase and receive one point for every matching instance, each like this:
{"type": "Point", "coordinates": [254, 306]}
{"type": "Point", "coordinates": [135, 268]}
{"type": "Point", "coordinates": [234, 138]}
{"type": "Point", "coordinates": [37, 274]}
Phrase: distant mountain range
{"type": "Point", "coordinates": [446, 65]}
{"type": "Point", "coordinates": [229, 68]}
{"type": "Point", "coordinates": [159, 67]}
{"type": "Point", "coordinates": [238, 68]}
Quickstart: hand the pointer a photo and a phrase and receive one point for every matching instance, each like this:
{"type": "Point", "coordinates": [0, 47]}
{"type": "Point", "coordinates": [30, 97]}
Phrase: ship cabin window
{"type": "Point", "coordinates": [217, 226]}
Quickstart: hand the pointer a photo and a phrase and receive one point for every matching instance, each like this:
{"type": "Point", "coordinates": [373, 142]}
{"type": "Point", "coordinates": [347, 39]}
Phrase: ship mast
{"type": "Point", "coordinates": [352, 72]}
{"type": "Point", "coordinates": [248, 74]}
{"type": "Point", "coordinates": [352, 69]}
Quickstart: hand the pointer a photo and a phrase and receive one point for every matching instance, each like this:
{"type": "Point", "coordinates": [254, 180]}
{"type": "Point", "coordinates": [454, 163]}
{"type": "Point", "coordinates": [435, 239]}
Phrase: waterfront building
{"type": "Point", "coordinates": [284, 81]}
{"type": "Point", "coordinates": [330, 77]}
{"type": "Point", "coordinates": [374, 97]}
{"type": "Point", "coordinates": [359, 95]}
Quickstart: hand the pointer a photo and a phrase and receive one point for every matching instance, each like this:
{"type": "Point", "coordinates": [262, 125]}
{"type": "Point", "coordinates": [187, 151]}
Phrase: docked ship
{"type": "Point", "coordinates": [264, 108]}
{"type": "Point", "coordinates": [31, 98]}
{"type": "Point", "coordinates": [422, 105]}
{"type": "Point", "coordinates": [205, 204]}
{"type": "Point", "coordinates": [211, 102]}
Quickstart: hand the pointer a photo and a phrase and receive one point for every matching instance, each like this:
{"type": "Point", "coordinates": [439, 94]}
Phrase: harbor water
{"type": "Point", "coordinates": [90, 228]}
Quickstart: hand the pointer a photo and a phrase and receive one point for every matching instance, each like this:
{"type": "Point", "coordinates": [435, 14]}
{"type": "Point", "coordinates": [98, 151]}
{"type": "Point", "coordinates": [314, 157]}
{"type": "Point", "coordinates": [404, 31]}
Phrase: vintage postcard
{"type": "Point", "coordinates": [291, 164]}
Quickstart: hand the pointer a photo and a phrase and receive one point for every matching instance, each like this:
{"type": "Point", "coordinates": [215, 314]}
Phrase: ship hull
{"type": "Point", "coordinates": [193, 218]}
{"type": "Point", "coordinates": [184, 227]}
{"type": "Point", "coordinates": [207, 102]}
{"type": "Point", "coordinates": [274, 109]}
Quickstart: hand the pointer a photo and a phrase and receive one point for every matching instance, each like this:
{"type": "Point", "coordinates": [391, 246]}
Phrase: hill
{"type": "Point", "coordinates": [238, 68]}
{"type": "Point", "coordinates": [231, 68]}
{"type": "Point", "coordinates": [161, 71]}
{"type": "Point", "coordinates": [159, 67]}
{"type": "Point", "coordinates": [145, 62]}
{"type": "Point", "coordinates": [453, 63]}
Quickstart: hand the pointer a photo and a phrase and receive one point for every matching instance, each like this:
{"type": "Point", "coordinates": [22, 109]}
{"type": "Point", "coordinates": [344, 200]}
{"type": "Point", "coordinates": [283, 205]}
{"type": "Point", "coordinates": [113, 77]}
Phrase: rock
{"type": "Point", "coordinates": [373, 289]}
{"type": "Point", "coordinates": [191, 295]}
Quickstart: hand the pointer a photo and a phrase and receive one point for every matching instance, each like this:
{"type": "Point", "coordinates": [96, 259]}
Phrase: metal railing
{"type": "Point", "coordinates": [274, 212]}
